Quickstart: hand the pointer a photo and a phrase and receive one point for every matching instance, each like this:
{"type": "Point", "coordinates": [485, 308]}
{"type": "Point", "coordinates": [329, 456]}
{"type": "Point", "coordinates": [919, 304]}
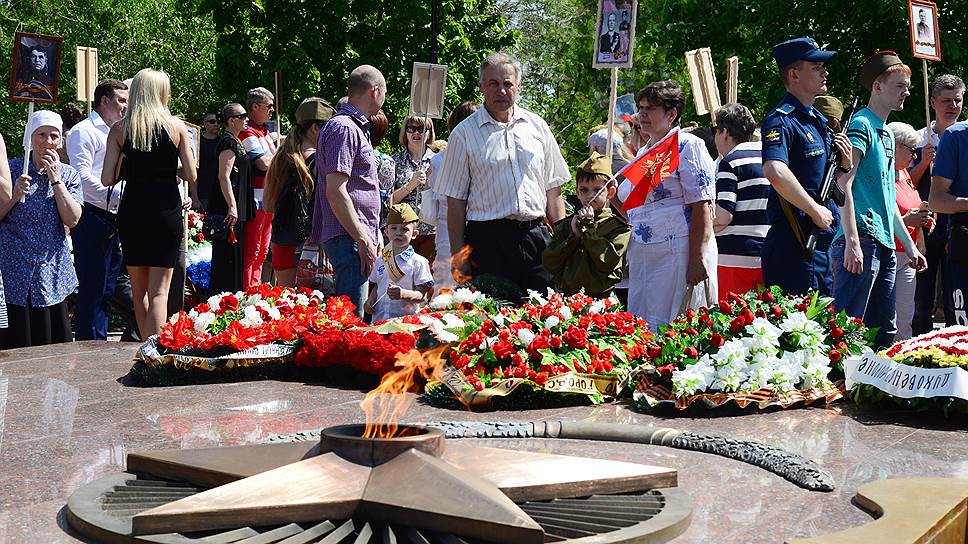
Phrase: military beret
{"type": "Point", "coordinates": [314, 109]}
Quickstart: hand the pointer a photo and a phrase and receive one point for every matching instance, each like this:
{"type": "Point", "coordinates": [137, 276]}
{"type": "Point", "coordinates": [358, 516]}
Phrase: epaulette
{"type": "Point", "coordinates": [786, 109]}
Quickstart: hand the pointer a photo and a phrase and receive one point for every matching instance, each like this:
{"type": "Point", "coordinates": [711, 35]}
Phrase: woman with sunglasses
{"type": "Point", "coordinates": [412, 162]}
{"type": "Point", "coordinates": [916, 215]}
{"type": "Point", "coordinates": [232, 197]}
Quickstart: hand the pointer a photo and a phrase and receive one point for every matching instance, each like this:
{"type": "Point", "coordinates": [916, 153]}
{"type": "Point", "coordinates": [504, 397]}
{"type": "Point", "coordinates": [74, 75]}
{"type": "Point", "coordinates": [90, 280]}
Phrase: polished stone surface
{"type": "Point", "coordinates": [65, 419]}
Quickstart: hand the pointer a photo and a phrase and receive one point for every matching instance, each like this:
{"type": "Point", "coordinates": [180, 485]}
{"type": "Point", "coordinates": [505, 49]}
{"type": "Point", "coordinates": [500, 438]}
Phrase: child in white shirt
{"type": "Point", "coordinates": [402, 277]}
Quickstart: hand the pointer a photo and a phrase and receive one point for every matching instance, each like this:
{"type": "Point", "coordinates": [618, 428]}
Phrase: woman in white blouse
{"type": "Point", "coordinates": [672, 253]}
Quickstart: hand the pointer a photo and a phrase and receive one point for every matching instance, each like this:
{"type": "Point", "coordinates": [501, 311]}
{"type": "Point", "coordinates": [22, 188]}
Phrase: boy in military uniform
{"type": "Point", "coordinates": [587, 248]}
{"type": "Point", "coordinates": [401, 275]}
{"type": "Point", "coordinates": [796, 144]}
{"type": "Point", "coordinates": [862, 254]}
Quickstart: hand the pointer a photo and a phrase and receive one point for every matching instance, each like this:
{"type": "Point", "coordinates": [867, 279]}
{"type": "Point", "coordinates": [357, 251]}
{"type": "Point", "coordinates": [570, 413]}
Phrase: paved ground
{"type": "Point", "coordinates": [66, 420]}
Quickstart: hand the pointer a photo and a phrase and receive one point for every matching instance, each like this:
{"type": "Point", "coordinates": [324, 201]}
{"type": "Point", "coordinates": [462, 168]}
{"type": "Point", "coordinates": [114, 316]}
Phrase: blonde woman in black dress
{"type": "Point", "coordinates": [151, 141]}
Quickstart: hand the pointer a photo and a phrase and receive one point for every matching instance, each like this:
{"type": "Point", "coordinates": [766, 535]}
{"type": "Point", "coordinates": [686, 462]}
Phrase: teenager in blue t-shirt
{"type": "Point", "coordinates": [862, 253]}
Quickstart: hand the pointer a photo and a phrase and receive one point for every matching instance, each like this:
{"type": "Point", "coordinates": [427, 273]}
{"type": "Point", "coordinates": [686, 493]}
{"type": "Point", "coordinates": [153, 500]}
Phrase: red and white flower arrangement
{"type": "Point", "coordinates": [941, 348]}
{"type": "Point", "coordinates": [261, 314]}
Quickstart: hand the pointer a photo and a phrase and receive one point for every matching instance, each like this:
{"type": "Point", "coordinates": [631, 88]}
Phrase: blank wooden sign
{"type": "Point", "coordinates": [427, 90]}
{"type": "Point", "coordinates": [702, 77]}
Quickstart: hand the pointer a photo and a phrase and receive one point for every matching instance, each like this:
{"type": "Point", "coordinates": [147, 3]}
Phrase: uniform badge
{"type": "Point", "coordinates": [810, 137]}
{"type": "Point", "coordinates": [773, 136]}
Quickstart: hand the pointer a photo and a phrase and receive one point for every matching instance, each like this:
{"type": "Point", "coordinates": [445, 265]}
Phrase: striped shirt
{"type": "Point", "coordinates": [503, 171]}
{"type": "Point", "coordinates": [257, 143]}
{"type": "Point", "coordinates": [742, 190]}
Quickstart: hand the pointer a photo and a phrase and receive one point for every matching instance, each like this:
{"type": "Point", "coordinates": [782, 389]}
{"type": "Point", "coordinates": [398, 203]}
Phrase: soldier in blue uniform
{"type": "Point", "coordinates": [796, 144]}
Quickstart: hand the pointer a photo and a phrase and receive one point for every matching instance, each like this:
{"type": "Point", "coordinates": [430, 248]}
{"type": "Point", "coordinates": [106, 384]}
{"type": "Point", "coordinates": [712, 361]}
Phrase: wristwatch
{"type": "Point", "coordinates": [52, 183]}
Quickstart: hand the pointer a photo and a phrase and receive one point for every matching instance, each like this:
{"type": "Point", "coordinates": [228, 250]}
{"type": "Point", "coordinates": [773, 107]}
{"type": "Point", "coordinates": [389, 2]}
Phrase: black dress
{"type": "Point", "coordinates": [150, 215]}
{"type": "Point", "coordinates": [207, 168]}
{"type": "Point", "coordinates": [226, 272]}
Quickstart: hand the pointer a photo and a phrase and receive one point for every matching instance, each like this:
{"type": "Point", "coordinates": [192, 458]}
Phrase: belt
{"type": "Point", "coordinates": [513, 223]}
{"type": "Point", "coordinates": [960, 219]}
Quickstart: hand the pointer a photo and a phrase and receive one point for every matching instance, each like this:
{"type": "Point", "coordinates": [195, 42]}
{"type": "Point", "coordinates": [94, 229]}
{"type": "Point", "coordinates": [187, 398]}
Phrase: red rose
{"type": "Point", "coordinates": [737, 324]}
{"type": "Point", "coordinates": [478, 386]}
{"type": "Point", "coordinates": [655, 352]}
{"type": "Point", "coordinates": [519, 372]}
{"type": "Point", "coordinates": [203, 307]}
{"type": "Point", "coordinates": [725, 308]}
{"type": "Point", "coordinates": [716, 340]}
{"type": "Point", "coordinates": [666, 369]}
{"type": "Point", "coordinates": [541, 378]}
{"type": "Point", "coordinates": [835, 355]}
{"type": "Point", "coordinates": [503, 349]}
{"type": "Point", "coordinates": [841, 345]}
{"type": "Point", "coordinates": [555, 341]}
{"type": "Point", "coordinates": [671, 334]}
{"type": "Point", "coordinates": [228, 302]}
{"type": "Point", "coordinates": [776, 310]}
{"type": "Point", "coordinates": [767, 296]}
{"type": "Point", "coordinates": [575, 338]}
{"type": "Point", "coordinates": [517, 359]}
{"type": "Point", "coordinates": [801, 307]}
{"type": "Point", "coordinates": [748, 316]}
{"type": "Point", "coordinates": [836, 333]}
{"type": "Point", "coordinates": [691, 353]}
{"type": "Point", "coordinates": [690, 314]}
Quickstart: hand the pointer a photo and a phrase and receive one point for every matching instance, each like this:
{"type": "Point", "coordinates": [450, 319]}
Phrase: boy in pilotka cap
{"type": "Point", "coordinates": [402, 277]}
{"type": "Point", "coordinates": [587, 249]}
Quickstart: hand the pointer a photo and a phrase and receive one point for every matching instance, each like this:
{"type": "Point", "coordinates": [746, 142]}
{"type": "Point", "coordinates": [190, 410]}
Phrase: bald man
{"type": "Point", "coordinates": [346, 216]}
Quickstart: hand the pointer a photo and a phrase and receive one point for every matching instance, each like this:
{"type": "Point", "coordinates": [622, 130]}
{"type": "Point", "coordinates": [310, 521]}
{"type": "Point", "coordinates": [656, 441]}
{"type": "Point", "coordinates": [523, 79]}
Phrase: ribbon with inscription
{"type": "Point", "coordinates": [904, 381]}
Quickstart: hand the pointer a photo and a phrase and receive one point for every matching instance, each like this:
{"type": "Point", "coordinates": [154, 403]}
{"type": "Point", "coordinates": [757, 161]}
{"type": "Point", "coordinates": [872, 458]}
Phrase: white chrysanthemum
{"type": "Point", "coordinates": [596, 307]}
{"type": "Point", "coordinates": [525, 336]}
{"type": "Point", "coordinates": [274, 313]}
{"type": "Point", "coordinates": [440, 332]}
{"type": "Point", "coordinates": [452, 321]}
{"type": "Point", "coordinates": [695, 378]}
{"type": "Point", "coordinates": [552, 321]}
{"type": "Point", "coordinates": [498, 319]}
{"type": "Point", "coordinates": [203, 321]}
{"type": "Point", "coordinates": [565, 312]}
{"type": "Point", "coordinates": [250, 316]}
{"type": "Point", "coordinates": [302, 300]}
{"type": "Point", "coordinates": [464, 294]}
{"type": "Point", "coordinates": [764, 336]}
{"type": "Point", "coordinates": [761, 369]}
{"type": "Point", "coordinates": [215, 301]}
{"type": "Point", "coordinates": [488, 342]}
{"type": "Point", "coordinates": [441, 302]}
{"type": "Point", "coordinates": [816, 367]}
{"type": "Point", "coordinates": [251, 300]}
{"type": "Point", "coordinates": [810, 332]}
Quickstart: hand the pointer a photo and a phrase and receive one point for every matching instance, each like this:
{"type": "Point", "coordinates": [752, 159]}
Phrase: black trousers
{"type": "Point", "coordinates": [510, 249]}
{"type": "Point", "coordinates": [39, 326]}
{"type": "Point", "coordinates": [926, 290]}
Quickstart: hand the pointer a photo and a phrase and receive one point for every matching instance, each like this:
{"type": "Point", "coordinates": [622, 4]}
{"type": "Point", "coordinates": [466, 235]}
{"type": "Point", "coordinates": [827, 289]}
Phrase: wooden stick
{"type": "Point", "coordinates": [927, 99]}
{"type": "Point", "coordinates": [29, 146]}
{"type": "Point", "coordinates": [612, 98]}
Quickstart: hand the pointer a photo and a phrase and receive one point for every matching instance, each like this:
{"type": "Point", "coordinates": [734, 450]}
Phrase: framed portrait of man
{"type": "Point", "coordinates": [36, 68]}
{"type": "Point", "coordinates": [615, 33]}
{"type": "Point", "coordinates": [195, 135]}
{"type": "Point", "coordinates": [925, 38]}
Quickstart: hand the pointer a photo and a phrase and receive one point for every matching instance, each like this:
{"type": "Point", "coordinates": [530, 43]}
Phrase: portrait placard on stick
{"type": "Point", "coordinates": [615, 33]}
{"type": "Point", "coordinates": [702, 78]}
{"type": "Point", "coordinates": [732, 80]}
{"type": "Point", "coordinates": [36, 68]}
{"type": "Point", "coordinates": [925, 38]}
{"type": "Point", "coordinates": [86, 74]}
{"type": "Point", "coordinates": [427, 90]}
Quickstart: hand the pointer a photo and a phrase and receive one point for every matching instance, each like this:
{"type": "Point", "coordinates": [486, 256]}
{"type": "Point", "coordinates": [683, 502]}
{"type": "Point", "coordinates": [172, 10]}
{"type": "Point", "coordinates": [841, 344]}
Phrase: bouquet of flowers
{"type": "Point", "coordinates": [570, 345]}
{"type": "Point", "coordinates": [366, 351]}
{"type": "Point", "coordinates": [761, 347]}
{"type": "Point", "coordinates": [198, 260]}
{"type": "Point", "coordinates": [261, 314]}
{"type": "Point", "coordinates": [945, 348]}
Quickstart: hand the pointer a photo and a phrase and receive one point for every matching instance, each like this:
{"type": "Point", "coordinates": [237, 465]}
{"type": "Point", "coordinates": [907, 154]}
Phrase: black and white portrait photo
{"type": "Point", "coordinates": [924, 30]}
{"type": "Point", "coordinates": [615, 34]}
{"type": "Point", "coordinates": [36, 63]}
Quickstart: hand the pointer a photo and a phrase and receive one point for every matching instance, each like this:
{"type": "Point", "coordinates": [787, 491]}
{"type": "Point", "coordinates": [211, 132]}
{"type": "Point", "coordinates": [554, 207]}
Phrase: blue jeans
{"type": "Point", "coordinates": [343, 253]}
{"type": "Point", "coordinates": [97, 260]}
{"type": "Point", "coordinates": [869, 295]}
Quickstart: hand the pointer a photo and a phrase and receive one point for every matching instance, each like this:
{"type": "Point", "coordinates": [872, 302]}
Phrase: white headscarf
{"type": "Point", "coordinates": [43, 118]}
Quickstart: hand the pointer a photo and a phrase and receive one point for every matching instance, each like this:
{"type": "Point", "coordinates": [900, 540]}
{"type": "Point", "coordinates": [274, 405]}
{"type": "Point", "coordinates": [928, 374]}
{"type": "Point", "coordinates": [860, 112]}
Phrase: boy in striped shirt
{"type": "Point", "coordinates": [742, 190]}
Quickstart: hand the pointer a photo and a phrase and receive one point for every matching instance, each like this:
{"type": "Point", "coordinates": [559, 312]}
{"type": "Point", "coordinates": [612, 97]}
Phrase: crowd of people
{"type": "Point", "coordinates": [739, 208]}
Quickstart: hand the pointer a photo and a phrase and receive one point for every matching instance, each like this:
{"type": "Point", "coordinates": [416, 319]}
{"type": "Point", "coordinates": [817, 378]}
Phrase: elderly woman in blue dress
{"type": "Point", "coordinates": [672, 256]}
{"type": "Point", "coordinates": [35, 258]}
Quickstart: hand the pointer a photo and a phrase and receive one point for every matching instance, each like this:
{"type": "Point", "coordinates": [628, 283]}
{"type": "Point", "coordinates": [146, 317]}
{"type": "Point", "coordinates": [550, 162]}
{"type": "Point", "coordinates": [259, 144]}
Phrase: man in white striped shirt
{"type": "Point", "coordinates": [502, 177]}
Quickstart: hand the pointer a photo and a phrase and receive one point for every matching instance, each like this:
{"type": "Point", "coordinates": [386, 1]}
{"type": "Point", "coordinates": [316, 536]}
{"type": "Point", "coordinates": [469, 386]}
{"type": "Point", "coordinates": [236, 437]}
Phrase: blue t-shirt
{"type": "Point", "coordinates": [952, 159]}
{"type": "Point", "coordinates": [798, 137]}
{"type": "Point", "coordinates": [873, 189]}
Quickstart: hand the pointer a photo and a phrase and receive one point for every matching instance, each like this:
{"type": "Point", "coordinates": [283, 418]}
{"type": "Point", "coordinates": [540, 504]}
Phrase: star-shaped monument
{"type": "Point", "coordinates": [412, 480]}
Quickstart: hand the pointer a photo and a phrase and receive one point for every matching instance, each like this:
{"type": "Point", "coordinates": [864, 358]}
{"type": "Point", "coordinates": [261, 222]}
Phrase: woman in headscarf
{"type": "Point", "coordinates": [35, 257]}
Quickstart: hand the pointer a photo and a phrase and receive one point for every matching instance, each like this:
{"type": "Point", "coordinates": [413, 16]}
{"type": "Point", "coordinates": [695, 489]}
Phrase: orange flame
{"type": "Point", "coordinates": [385, 405]}
{"type": "Point", "coordinates": [461, 265]}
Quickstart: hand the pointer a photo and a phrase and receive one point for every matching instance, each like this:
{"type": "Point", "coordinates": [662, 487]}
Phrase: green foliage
{"type": "Point", "coordinates": [215, 50]}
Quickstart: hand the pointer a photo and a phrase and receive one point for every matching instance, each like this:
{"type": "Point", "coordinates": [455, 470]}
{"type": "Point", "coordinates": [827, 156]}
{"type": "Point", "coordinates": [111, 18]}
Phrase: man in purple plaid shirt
{"type": "Point", "coordinates": [346, 216]}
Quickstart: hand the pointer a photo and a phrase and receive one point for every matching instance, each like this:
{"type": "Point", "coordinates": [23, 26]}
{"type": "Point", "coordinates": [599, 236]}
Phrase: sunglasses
{"type": "Point", "coordinates": [240, 117]}
{"type": "Point", "coordinates": [269, 106]}
{"type": "Point", "coordinates": [417, 129]}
